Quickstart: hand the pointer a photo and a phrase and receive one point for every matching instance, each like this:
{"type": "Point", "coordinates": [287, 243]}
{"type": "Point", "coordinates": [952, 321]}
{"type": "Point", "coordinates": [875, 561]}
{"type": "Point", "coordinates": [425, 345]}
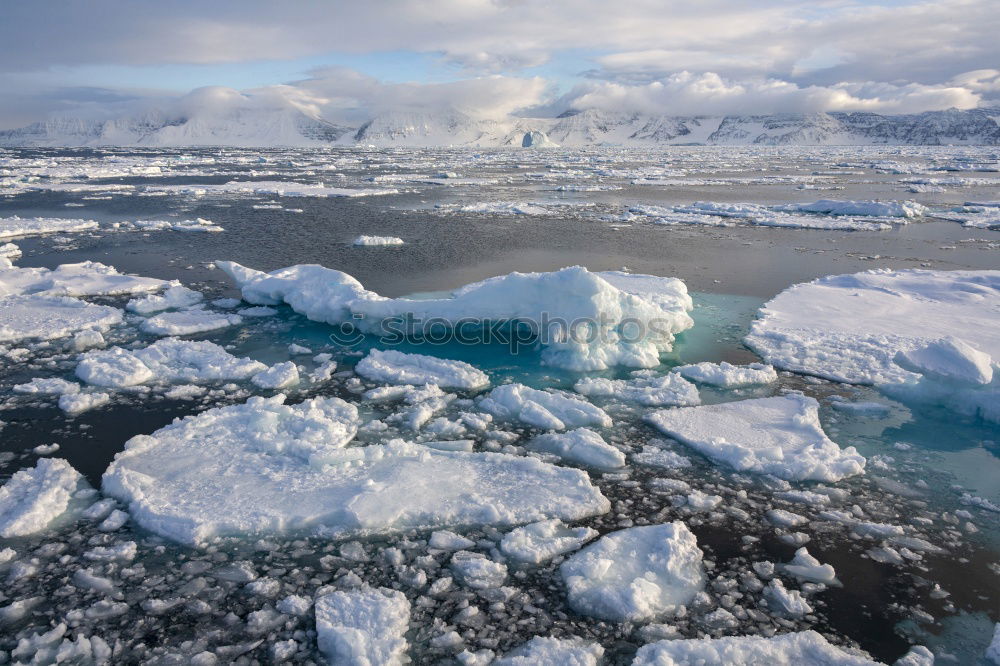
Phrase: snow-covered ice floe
{"type": "Point", "coordinates": [266, 467]}
{"type": "Point", "coordinates": [951, 374]}
{"type": "Point", "coordinates": [794, 649]}
{"type": "Point", "coordinates": [849, 327]}
{"type": "Point", "coordinates": [645, 388]}
{"type": "Point", "coordinates": [176, 296]}
{"type": "Point", "coordinates": [16, 227]}
{"type": "Point", "coordinates": [781, 436]}
{"type": "Point", "coordinates": [395, 367]}
{"type": "Point", "coordinates": [627, 319]}
{"type": "Point", "coordinates": [88, 278]}
{"type": "Point", "coordinates": [542, 651]}
{"type": "Point", "coordinates": [543, 409]}
{"type": "Point", "coordinates": [635, 574]}
{"type": "Point", "coordinates": [271, 188]}
{"type": "Point", "coordinates": [189, 322]}
{"type": "Point", "coordinates": [582, 446]}
{"type": "Point", "coordinates": [363, 627]}
{"type": "Point", "coordinates": [541, 541]}
{"type": "Point", "coordinates": [51, 317]}
{"type": "Point", "coordinates": [377, 240]}
{"type": "Point", "coordinates": [726, 375]}
{"type": "Point", "coordinates": [35, 497]}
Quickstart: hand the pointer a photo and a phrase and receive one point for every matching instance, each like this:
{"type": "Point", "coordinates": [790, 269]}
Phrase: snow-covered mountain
{"type": "Point", "coordinates": [290, 126]}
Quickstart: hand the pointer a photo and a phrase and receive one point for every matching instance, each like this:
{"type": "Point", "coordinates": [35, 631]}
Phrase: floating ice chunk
{"type": "Point", "coordinates": [188, 322]}
{"type": "Point", "coordinates": [477, 571]}
{"type": "Point", "coordinates": [795, 649]}
{"type": "Point", "coordinates": [445, 540]}
{"type": "Point", "coordinates": [542, 409]}
{"type": "Point", "coordinates": [506, 208]}
{"type": "Point", "coordinates": [377, 240]}
{"type": "Point", "coordinates": [36, 496]}
{"type": "Point", "coordinates": [14, 227]}
{"type": "Point", "coordinates": [583, 446]}
{"type": "Point", "coordinates": [165, 361]}
{"type": "Point", "coordinates": [257, 311]}
{"type": "Point", "coordinates": [395, 367]}
{"type": "Point", "coordinates": [175, 297]}
{"type": "Point", "coordinates": [850, 327]}
{"type": "Point", "coordinates": [539, 542]}
{"type": "Point", "coordinates": [863, 208]}
{"type": "Point", "coordinates": [953, 375]}
{"type": "Point", "coordinates": [606, 310]}
{"type": "Point", "coordinates": [788, 603]}
{"type": "Point", "coordinates": [993, 651]}
{"type": "Point", "coordinates": [543, 651]}
{"type": "Point", "coordinates": [363, 627]}
{"type": "Point", "coordinates": [699, 501]}
{"type": "Point", "coordinates": [278, 376]}
{"type": "Point", "coordinates": [727, 375]}
{"type": "Point", "coordinates": [9, 251]}
{"type": "Point", "coordinates": [51, 317]}
{"type": "Point", "coordinates": [782, 518]}
{"type": "Point", "coordinates": [651, 391]}
{"type": "Point", "coordinates": [293, 475]}
{"type": "Point", "coordinates": [122, 552]}
{"type": "Point", "coordinates": [635, 574]}
{"type": "Point", "coordinates": [198, 225]}
{"type": "Point", "coordinates": [865, 408]}
{"type": "Point", "coordinates": [88, 278]}
{"type": "Point", "coordinates": [85, 340]}
{"type": "Point", "coordinates": [655, 455]}
{"type": "Point", "coordinates": [77, 403]}
{"type": "Point", "coordinates": [780, 436]}
{"type": "Point", "coordinates": [48, 386]}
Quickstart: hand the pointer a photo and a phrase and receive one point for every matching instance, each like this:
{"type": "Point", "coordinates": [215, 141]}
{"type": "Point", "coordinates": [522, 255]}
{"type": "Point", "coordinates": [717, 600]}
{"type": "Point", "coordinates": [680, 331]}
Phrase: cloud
{"type": "Point", "coordinates": [708, 93]}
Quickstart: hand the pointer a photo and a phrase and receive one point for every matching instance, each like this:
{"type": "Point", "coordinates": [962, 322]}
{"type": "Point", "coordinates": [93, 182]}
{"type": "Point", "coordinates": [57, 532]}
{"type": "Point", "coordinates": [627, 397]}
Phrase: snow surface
{"type": "Point", "coordinates": [36, 496]}
{"type": "Point", "coordinates": [541, 541]}
{"type": "Point", "coordinates": [850, 327]}
{"type": "Point", "coordinates": [582, 446]}
{"type": "Point", "coordinates": [542, 409]}
{"type": "Point", "coordinates": [726, 375]}
{"type": "Point", "coordinates": [363, 627]}
{"type": "Point", "coordinates": [166, 361]}
{"type": "Point", "coordinates": [51, 317]}
{"type": "Point", "coordinates": [294, 475]}
{"type": "Point", "coordinates": [635, 574]}
{"type": "Point", "coordinates": [646, 389]}
{"type": "Point", "coordinates": [781, 436]}
{"type": "Point", "coordinates": [395, 367]}
{"type": "Point", "coordinates": [613, 307]}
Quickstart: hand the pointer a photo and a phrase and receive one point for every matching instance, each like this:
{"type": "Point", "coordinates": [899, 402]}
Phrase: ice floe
{"type": "Point", "coordinates": [582, 446]}
{"type": "Point", "coordinates": [584, 320]}
{"type": "Point", "coordinates": [51, 317]}
{"type": "Point", "coordinates": [646, 388]}
{"type": "Point", "coordinates": [295, 475]}
{"type": "Point", "coordinates": [726, 375]}
{"type": "Point", "coordinates": [175, 297]}
{"type": "Point", "coordinates": [377, 240]}
{"type": "Point", "coordinates": [541, 541]}
{"type": "Point", "coordinates": [850, 327]}
{"type": "Point", "coordinates": [543, 409]}
{"type": "Point", "coordinates": [189, 322]}
{"type": "Point", "coordinates": [542, 651]}
{"type": "Point", "coordinates": [88, 278]}
{"type": "Point", "coordinates": [363, 627]}
{"type": "Point", "coordinates": [781, 436]}
{"type": "Point", "coordinates": [35, 497]}
{"type": "Point", "coordinates": [635, 574]}
{"type": "Point", "coordinates": [395, 367]}
{"type": "Point", "coordinates": [16, 227]}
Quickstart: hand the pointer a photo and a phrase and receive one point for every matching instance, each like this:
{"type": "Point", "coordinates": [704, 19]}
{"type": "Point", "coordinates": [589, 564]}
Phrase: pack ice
{"type": "Point", "coordinates": [607, 309]}
{"type": "Point", "coordinates": [849, 327]}
{"type": "Point", "coordinates": [781, 436]}
{"type": "Point", "coordinates": [267, 467]}
{"type": "Point", "coordinates": [635, 574]}
{"type": "Point", "coordinates": [34, 497]}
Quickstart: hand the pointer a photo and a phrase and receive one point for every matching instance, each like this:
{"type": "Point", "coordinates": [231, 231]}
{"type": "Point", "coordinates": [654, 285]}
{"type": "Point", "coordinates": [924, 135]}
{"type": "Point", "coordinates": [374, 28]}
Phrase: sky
{"type": "Point", "coordinates": [348, 61]}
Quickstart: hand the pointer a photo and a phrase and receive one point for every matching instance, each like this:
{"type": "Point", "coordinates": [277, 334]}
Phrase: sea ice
{"type": "Point", "coordinates": [294, 475]}
{"type": "Point", "coordinates": [646, 389]}
{"type": "Point", "coordinates": [377, 240]}
{"type": "Point", "coordinates": [77, 403]}
{"type": "Point", "coordinates": [582, 446]}
{"type": "Point", "coordinates": [542, 409]}
{"type": "Point", "coordinates": [585, 321]}
{"type": "Point", "coordinates": [363, 627]}
{"type": "Point", "coordinates": [278, 376]}
{"type": "Point", "coordinates": [635, 574]}
{"type": "Point", "coordinates": [188, 322]}
{"type": "Point", "coordinates": [88, 278]}
{"type": "Point", "coordinates": [395, 367]}
{"type": "Point", "coordinates": [726, 375]}
{"type": "Point", "coordinates": [544, 651]}
{"type": "Point", "coordinates": [34, 497]}
{"type": "Point", "coordinates": [541, 541]}
{"type": "Point", "coordinates": [781, 436]}
{"type": "Point", "coordinates": [47, 386]}
{"type": "Point", "coordinates": [476, 571]}
{"type": "Point", "coordinates": [15, 227]}
{"type": "Point", "coordinates": [850, 327]}
{"type": "Point", "coordinates": [174, 297]}
{"type": "Point", "coordinates": [165, 361]}
{"type": "Point", "coordinates": [51, 317]}
{"type": "Point", "coordinates": [862, 208]}
{"type": "Point", "coordinates": [806, 567]}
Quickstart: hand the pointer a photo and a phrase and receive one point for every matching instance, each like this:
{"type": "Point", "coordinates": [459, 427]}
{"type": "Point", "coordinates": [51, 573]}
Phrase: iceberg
{"type": "Point", "coordinates": [264, 467]}
{"type": "Point", "coordinates": [849, 328]}
{"type": "Point", "coordinates": [395, 367]}
{"type": "Point", "coordinates": [583, 320]}
{"type": "Point", "coordinates": [781, 436]}
{"type": "Point", "coordinates": [635, 574]}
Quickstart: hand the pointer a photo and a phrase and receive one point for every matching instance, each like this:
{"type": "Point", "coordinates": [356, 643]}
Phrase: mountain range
{"type": "Point", "coordinates": [290, 126]}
